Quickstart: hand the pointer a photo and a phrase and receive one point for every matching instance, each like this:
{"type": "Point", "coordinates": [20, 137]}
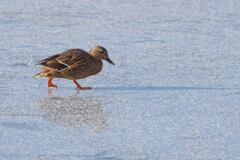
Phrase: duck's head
{"type": "Point", "coordinates": [100, 53]}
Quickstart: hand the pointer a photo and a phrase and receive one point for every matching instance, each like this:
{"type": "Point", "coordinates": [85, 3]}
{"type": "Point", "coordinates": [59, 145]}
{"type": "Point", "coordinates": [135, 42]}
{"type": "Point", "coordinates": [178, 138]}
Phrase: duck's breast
{"type": "Point", "coordinates": [91, 68]}
{"type": "Point", "coordinates": [95, 67]}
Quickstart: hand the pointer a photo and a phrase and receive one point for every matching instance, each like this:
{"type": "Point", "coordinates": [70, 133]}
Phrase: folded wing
{"type": "Point", "coordinates": [65, 59]}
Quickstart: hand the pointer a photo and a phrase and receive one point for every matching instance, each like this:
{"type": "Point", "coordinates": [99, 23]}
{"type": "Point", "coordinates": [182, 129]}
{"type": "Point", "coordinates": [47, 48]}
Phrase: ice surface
{"type": "Point", "coordinates": [173, 93]}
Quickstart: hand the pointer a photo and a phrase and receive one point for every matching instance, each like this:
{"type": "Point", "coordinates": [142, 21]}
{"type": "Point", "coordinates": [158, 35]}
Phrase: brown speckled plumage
{"type": "Point", "coordinates": [74, 64]}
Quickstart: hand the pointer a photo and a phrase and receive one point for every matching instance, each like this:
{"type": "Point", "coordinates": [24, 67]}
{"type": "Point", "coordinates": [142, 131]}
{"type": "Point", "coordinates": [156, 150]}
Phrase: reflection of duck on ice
{"type": "Point", "coordinates": [74, 112]}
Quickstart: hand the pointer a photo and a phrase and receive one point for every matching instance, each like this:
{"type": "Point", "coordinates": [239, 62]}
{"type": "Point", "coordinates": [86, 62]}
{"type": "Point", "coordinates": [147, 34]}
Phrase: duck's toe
{"type": "Point", "coordinates": [52, 86]}
{"type": "Point", "coordinates": [83, 88]}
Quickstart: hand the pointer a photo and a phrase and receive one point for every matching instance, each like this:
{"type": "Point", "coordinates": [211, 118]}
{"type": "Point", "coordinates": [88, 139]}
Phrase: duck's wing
{"type": "Point", "coordinates": [66, 59]}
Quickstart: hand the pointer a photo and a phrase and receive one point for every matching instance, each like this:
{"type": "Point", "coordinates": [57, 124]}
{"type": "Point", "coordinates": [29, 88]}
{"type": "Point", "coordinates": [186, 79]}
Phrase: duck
{"type": "Point", "coordinates": [73, 64]}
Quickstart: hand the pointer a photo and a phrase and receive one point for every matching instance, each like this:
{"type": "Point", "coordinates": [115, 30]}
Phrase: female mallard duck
{"type": "Point", "coordinates": [73, 64]}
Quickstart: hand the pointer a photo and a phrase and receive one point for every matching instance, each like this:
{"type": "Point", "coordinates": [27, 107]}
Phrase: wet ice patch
{"type": "Point", "coordinates": [73, 111]}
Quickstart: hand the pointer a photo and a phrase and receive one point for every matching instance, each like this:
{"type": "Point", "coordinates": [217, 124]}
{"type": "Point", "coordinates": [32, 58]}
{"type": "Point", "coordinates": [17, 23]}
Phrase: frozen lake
{"type": "Point", "coordinates": [173, 93]}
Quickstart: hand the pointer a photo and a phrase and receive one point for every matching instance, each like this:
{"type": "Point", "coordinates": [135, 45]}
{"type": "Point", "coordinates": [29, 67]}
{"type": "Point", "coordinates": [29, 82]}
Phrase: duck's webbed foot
{"type": "Point", "coordinates": [79, 87]}
{"type": "Point", "coordinates": [50, 84]}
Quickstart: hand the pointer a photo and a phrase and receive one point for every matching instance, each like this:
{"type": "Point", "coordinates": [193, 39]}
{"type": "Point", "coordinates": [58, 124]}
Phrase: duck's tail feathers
{"type": "Point", "coordinates": [40, 75]}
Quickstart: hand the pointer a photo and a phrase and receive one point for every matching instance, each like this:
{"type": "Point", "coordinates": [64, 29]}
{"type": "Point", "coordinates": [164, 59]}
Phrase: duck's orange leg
{"type": "Point", "coordinates": [79, 86]}
{"type": "Point", "coordinates": [50, 84]}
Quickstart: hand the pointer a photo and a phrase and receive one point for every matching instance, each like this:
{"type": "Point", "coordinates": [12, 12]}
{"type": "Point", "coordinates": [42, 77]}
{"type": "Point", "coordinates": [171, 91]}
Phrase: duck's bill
{"type": "Point", "coordinates": [110, 61]}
